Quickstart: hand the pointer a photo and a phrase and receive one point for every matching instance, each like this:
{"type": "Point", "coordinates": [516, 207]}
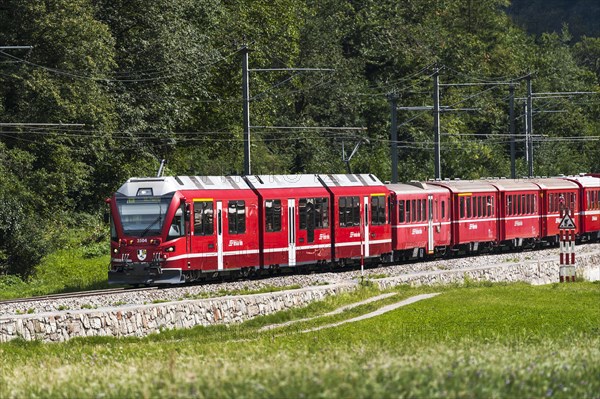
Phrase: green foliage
{"type": "Point", "coordinates": [161, 79]}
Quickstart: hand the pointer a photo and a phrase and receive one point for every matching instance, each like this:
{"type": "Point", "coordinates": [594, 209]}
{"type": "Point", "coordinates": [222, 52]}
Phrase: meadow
{"type": "Point", "coordinates": [476, 340]}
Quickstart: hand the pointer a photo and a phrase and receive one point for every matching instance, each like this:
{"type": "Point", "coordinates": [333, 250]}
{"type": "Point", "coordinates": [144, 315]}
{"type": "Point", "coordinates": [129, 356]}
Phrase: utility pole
{"type": "Point", "coordinates": [436, 123]}
{"type": "Point", "coordinates": [246, 96]}
{"type": "Point", "coordinates": [246, 100]}
{"type": "Point", "coordinates": [526, 131]}
{"type": "Point", "coordinates": [394, 136]}
{"type": "Point", "coordinates": [529, 117]}
{"type": "Point", "coordinates": [511, 116]}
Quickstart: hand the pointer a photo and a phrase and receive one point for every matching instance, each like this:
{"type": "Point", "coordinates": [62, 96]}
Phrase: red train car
{"type": "Point", "coordinates": [420, 215]}
{"type": "Point", "coordinates": [556, 193]}
{"type": "Point", "coordinates": [169, 229]}
{"type": "Point", "coordinates": [361, 226]}
{"type": "Point", "coordinates": [519, 213]}
{"type": "Point", "coordinates": [294, 219]}
{"type": "Point", "coordinates": [473, 214]}
{"type": "Point", "coordinates": [589, 204]}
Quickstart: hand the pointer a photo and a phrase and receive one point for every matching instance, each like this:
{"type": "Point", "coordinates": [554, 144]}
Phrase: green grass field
{"type": "Point", "coordinates": [476, 341]}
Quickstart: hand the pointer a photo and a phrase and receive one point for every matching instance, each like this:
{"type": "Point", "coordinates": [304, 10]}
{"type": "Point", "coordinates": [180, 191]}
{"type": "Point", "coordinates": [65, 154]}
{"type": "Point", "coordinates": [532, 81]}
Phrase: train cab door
{"type": "Point", "coordinates": [430, 227]}
{"type": "Point", "coordinates": [291, 232]}
{"type": "Point", "coordinates": [367, 231]}
{"type": "Point", "coordinates": [220, 235]}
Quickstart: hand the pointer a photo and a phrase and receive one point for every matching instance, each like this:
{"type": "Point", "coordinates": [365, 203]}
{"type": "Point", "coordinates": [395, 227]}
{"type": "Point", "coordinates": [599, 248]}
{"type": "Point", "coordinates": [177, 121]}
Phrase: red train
{"type": "Point", "coordinates": [171, 230]}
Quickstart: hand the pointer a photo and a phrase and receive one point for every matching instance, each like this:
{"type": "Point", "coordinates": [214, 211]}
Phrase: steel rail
{"type": "Point", "coordinates": [78, 294]}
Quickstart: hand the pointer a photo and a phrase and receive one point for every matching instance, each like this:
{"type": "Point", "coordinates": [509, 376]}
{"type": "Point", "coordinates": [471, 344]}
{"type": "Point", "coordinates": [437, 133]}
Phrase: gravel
{"type": "Point", "coordinates": [124, 299]}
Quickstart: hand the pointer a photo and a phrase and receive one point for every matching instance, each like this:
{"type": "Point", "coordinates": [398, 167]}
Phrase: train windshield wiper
{"type": "Point", "coordinates": [150, 225]}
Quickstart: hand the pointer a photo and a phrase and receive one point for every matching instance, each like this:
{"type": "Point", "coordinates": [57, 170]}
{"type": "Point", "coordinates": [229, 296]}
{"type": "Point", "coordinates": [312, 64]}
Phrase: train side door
{"type": "Point", "coordinates": [291, 232]}
{"type": "Point", "coordinates": [220, 235]}
{"type": "Point", "coordinates": [430, 242]}
{"type": "Point", "coordinates": [366, 226]}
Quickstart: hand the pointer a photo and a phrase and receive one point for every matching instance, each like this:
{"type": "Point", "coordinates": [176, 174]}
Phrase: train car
{"type": "Point", "coordinates": [519, 213]}
{"type": "Point", "coordinates": [361, 226]}
{"type": "Point", "coordinates": [473, 214]}
{"type": "Point", "coordinates": [420, 215]}
{"type": "Point", "coordinates": [589, 205]}
{"type": "Point", "coordinates": [556, 195]}
{"type": "Point", "coordinates": [294, 226]}
{"type": "Point", "coordinates": [170, 230]}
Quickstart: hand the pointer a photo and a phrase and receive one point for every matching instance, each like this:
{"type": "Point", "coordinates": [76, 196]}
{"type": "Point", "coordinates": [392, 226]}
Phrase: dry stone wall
{"type": "Point", "coordinates": [141, 320]}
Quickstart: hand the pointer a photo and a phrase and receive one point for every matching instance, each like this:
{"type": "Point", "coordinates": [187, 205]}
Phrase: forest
{"type": "Point", "coordinates": [109, 88]}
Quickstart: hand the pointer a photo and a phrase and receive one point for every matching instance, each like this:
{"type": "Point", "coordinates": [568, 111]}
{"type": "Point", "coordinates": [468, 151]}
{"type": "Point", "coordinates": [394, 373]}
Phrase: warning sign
{"type": "Point", "coordinates": [567, 223]}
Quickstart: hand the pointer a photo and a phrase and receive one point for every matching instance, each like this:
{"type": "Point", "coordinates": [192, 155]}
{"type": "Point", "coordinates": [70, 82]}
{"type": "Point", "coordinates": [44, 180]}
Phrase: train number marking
{"type": "Point", "coordinates": [416, 232]}
{"type": "Point", "coordinates": [142, 240]}
{"type": "Point", "coordinates": [236, 243]}
{"type": "Point", "coordinates": [594, 218]}
{"type": "Point", "coordinates": [472, 226]}
{"type": "Point", "coordinates": [518, 223]}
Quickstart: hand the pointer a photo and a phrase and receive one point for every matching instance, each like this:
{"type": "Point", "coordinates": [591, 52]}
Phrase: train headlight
{"type": "Point", "coordinates": [116, 250]}
{"type": "Point", "coordinates": [170, 249]}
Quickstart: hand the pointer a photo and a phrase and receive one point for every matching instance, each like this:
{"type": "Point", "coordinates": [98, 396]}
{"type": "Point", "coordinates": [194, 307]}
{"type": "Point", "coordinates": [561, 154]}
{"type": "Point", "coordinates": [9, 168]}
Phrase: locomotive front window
{"type": "Point", "coordinates": [141, 217]}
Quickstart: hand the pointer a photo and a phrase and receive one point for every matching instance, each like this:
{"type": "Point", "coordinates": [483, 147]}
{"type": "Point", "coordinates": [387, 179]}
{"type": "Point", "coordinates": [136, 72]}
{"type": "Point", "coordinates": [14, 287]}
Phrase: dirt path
{"type": "Point", "coordinates": [378, 312]}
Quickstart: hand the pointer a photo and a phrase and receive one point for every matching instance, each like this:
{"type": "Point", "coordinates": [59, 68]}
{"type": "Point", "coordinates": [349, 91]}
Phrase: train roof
{"type": "Point", "coordinates": [164, 185]}
{"type": "Point", "coordinates": [353, 180]}
{"type": "Point", "coordinates": [587, 181]}
{"type": "Point", "coordinates": [466, 186]}
{"type": "Point", "coordinates": [554, 183]}
{"type": "Point", "coordinates": [416, 188]}
{"type": "Point", "coordinates": [513, 184]}
{"type": "Point", "coordinates": [284, 181]}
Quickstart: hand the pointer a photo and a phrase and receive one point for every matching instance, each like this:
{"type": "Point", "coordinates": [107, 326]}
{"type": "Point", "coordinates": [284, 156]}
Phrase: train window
{"type": "Point", "coordinates": [342, 211]}
{"type": "Point", "coordinates": [588, 200]}
{"type": "Point", "coordinates": [378, 210]}
{"type": "Point", "coordinates": [401, 211]}
{"type": "Point", "coordinates": [462, 207]}
{"type": "Point", "coordinates": [236, 217]}
{"type": "Point", "coordinates": [419, 211]}
{"type": "Point", "coordinates": [443, 209]}
{"type": "Point", "coordinates": [349, 211]}
{"type": "Point", "coordinates": [302, 213]}
{"type": "Point", "coordinates": [488, 205]}
{"type": "Point", "coordinates": [414, 211]}
{"type": "Point", "coordinates": [479, 207]}
{"type": "Point", "coordinates": [322, 212]}
{"type": "Point", "coordinates": [435, 211]}
{"type": "Point", "coordinates": [176, 228]}
{"type": "Point", "coordinates": [113, 230]}
{"type": "Point", "coordinates": [550, 203]}
{"type": "Point", "coordinates": [469, 207]}
{"type": "Point", "coordinates": [508, 205]}
{"type": "Point", "coordinates": [273, 215]}
{"type": "Point", "coordinates": [203, 218]}
{"type": "Point", "coordinates": [573, 204]}
{"type": "Point", "coordinates": [408, 211]}
{"type": "Point", "coordinates": [423, 210]}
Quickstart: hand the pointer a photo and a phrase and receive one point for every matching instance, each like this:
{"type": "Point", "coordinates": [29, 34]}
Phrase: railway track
{"type": "Point", "coordinates": [79, 294]}
{"type": "Point", "coordinates": [278, 278]}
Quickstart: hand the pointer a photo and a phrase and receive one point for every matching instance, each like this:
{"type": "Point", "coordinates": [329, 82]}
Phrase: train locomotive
{"type": "Point", "coordinates": [177, 229]}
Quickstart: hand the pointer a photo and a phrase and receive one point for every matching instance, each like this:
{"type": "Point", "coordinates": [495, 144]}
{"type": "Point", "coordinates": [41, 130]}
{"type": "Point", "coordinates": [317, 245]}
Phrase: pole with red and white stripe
{"type": "Point", "coordinates": [567, 252]}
